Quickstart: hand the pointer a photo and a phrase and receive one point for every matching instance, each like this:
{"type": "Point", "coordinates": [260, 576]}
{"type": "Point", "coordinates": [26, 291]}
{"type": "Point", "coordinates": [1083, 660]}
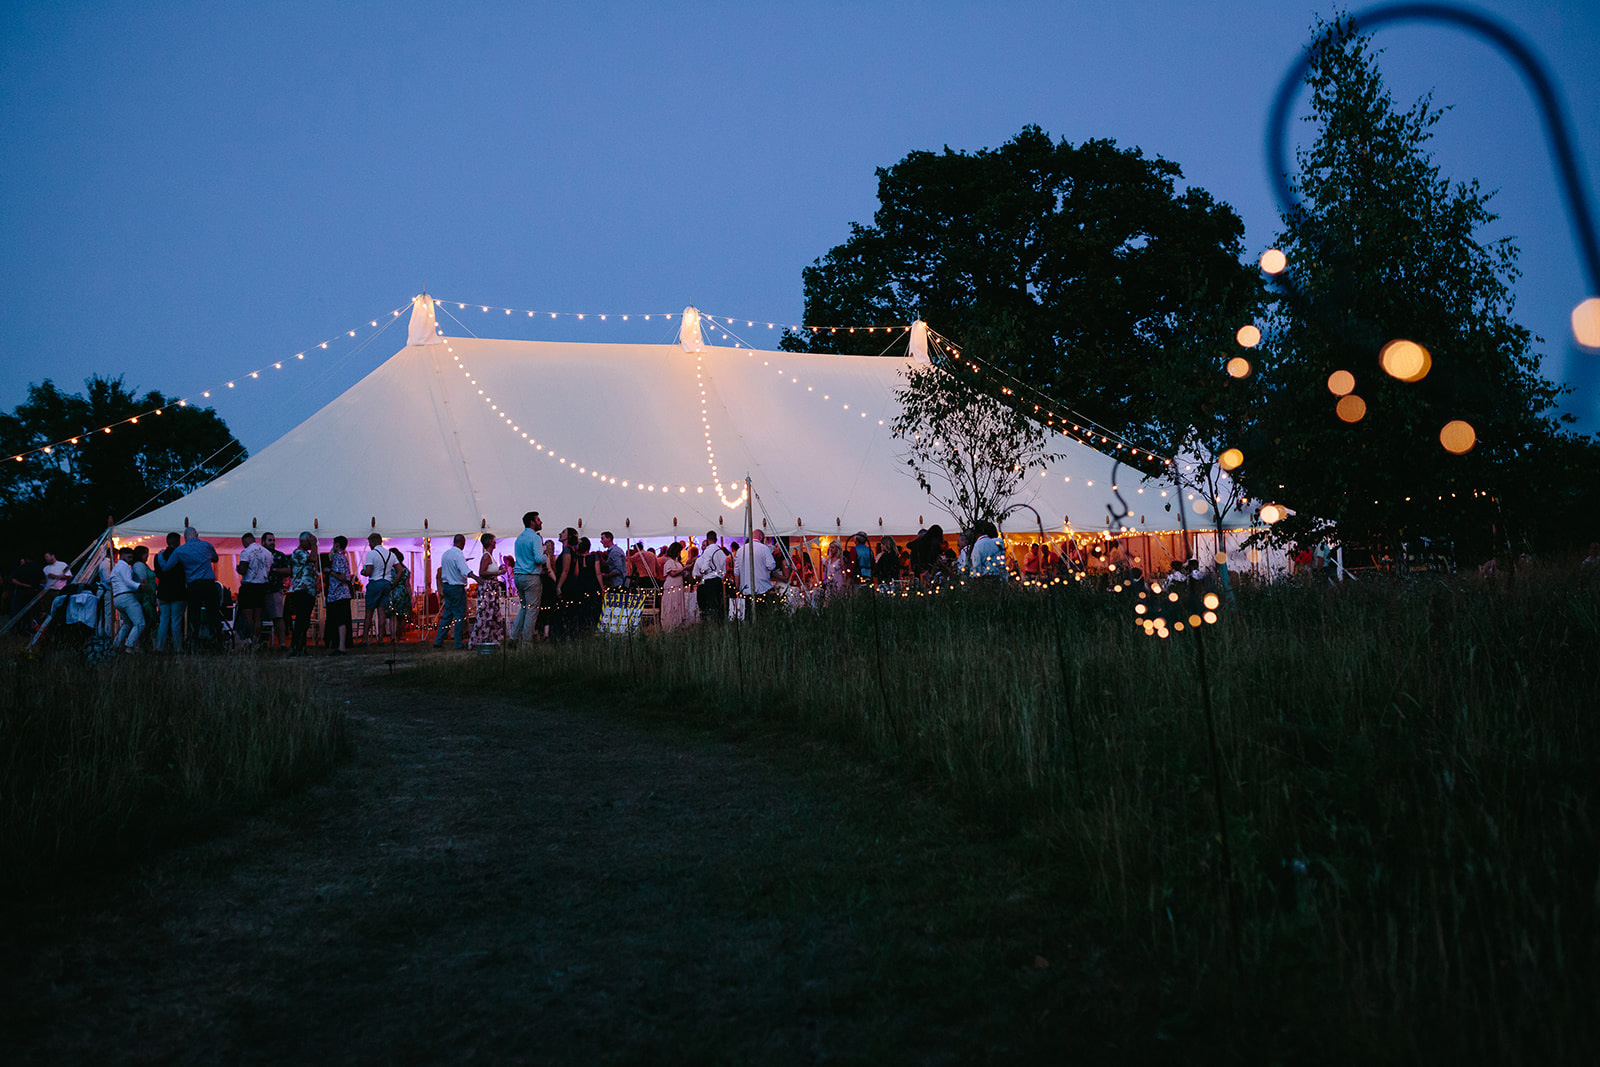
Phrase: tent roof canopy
{"type": "Point", "coordinates": [458, 435]}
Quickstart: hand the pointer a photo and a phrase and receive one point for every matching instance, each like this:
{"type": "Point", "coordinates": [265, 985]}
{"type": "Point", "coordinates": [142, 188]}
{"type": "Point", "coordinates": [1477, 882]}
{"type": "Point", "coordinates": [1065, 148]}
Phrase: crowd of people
{"type": "Point", "coordinates": [542, 589]}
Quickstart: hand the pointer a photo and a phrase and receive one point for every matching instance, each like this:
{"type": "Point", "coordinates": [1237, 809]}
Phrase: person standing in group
{"type": "Point", "coordinates": [170, 596]}
{"type": "Point", "coordinates": [277, 590]}
{"type": "Point", "coordinates": [988, 553]}
{"type": "Point", "coordinates": [710, 592]}
{"type": "Point", "coordinates": [304, 584]}
{"type": "Point", "coordinates": [613, 565]}
{"type": "Point", "coordinates": [201, 589]}
{"type": "Point", "coordinates": [834, 580]}
{"type": "Point", "coordinates": [755, 572]}
{"type": "Point", "coordinates": [56, 577]}
{"type": "Point", "coordinates": [886, 565]}
{"type": "Point", "coordinates": [340, 587]}
{"type": "Point", "coordinates": [147, 589]}
{"type": "Point", "coordinates": [545, 624]}
{"type": "Point", "coordinates": [674, 600]}
{"type": "Point", "coordinates": [399, 603]}
{"type": "Point", "coordinates": [489, 624]}
{"type": "Point", "coordinates": [376, 571]}
{"type": "Point", "coordinates": [255, 565]}
{"type": "Point", "coordinates": [125, 598]}
{"type": "Point", "coordinates": [453, 578]}
{"type": "Point", "coordinates": [528, 570]}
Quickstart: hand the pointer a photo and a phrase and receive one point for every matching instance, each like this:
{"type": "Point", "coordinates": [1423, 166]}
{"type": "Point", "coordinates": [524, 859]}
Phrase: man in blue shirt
{"type": "Point", "coordinates": [201, 590]}
{"type": "Point", "coordinates": [529, 575]}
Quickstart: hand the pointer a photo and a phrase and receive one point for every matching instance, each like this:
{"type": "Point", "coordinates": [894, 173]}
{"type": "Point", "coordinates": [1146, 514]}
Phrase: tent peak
{"type": "Point", "coordinates": [424, 329]}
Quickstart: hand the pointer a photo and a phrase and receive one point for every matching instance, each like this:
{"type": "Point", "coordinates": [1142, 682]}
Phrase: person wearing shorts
{"type": "Point", "coordinates": [377, 570]}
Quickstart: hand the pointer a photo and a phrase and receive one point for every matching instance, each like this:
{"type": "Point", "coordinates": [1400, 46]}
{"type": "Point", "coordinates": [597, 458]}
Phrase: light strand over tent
{"type": "Point", "coordinates": [377, 325]}
{"type": "Point", "coordinates": [573, 466]}
{"type": "Point", "coordinates": [1057, 416]}
{"type": "Point", "coordinates": [794, 379]}
{"type": "Point", "coordinates": [628, 316]}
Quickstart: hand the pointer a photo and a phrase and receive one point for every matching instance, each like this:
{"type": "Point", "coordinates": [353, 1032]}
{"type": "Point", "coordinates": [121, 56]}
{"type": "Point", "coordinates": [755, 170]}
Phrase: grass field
{"type": "Point", "coordinates": [1408, 773]}
{"type": "Point", "coordinates": [99, 763]}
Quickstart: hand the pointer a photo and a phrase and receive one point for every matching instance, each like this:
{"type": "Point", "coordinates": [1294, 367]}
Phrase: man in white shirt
{"type": "Point", "coordinates": [255, 562]}
{"type": "Point", "coordinates": [755, 566]}
{"type": "Point", "coordinates": [453, 577]}
{"type": "Point", "coordinates": [377, 570]}
{"type": "Point", "coordinates": [709, 567]}
{"type": "Point", "coordinates": [125, 597]}
{"type": "Point", "coordinates": [56, 577]}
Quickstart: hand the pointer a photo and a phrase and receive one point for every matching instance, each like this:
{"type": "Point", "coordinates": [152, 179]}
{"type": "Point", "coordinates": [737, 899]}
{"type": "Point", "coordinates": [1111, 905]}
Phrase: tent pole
{"type": "Point", "coordinates": [749, 553]}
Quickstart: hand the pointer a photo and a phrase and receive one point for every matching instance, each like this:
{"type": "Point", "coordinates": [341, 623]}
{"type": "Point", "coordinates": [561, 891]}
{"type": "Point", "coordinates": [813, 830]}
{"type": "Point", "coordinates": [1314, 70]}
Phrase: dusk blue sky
{"type": "Point", "coordinates": [191, 191]}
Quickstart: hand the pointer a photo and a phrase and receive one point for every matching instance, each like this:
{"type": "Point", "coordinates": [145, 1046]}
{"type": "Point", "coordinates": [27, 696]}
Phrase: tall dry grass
{"type": "Point", "coordinates": [1410, 772]}
{"type": "Point", "coordinates": [99, 762]}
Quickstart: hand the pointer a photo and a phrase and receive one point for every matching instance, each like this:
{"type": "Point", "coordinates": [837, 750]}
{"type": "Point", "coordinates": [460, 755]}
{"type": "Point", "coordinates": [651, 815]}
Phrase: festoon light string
{"type": "Point", "coordinates": [205, 394]}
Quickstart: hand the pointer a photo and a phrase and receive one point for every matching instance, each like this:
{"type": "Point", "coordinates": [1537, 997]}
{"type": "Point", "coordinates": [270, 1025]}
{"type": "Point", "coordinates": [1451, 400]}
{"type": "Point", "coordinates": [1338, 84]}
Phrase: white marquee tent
{"type": "Point", "coordinates": [457, 435]}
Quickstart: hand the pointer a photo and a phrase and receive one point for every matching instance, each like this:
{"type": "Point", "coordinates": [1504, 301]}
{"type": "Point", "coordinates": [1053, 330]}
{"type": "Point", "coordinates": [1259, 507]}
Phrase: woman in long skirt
{"type": "Point", "coordinates": [489, 625]}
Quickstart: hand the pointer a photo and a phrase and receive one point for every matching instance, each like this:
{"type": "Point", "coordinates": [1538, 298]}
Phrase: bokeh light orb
{"type": "Point", "coordinates": [1351, 408]}
{"type": "Point", "coordinates": [1406, 360]}
{"type": "Point", "coordinates": [1586, 323]}
{"type": "Point", "coordinates": [1458, 437]}
{"type": "Point", "coordinates": [1230, 459]}
{"type": "Point", "coordinates": [1341, 382]}
{"type": "Point", "coordinates": [1273, 261]}
{"type": "Point", "coordinates": [1271, 513]}
{"type": "Point", "coordinates": [1239, 367]}
{"type": "Point", "coordinates": [1201, 507]}
{"type": "Point", "coordinates": [1249, 335]}
{"type": "Point", "coordinates": [1212, 601]}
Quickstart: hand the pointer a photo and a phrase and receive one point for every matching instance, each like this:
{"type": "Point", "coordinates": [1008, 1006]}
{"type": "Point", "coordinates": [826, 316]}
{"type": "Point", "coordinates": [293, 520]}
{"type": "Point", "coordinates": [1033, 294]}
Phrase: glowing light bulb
{"type": "Point", "coordinates": [1248, 336]}
{"type": "Point", "coordinates": [1406, 360]}
{"type": "Point", "coordinates": [1458, 437]}
{"type": "Point", "coordinates": [1351, 408]}
{"type": "Point", "coordinates": [1229, 460]}
{"type": "Point", "coordinates": [1238, 367]}
{"type": "Point", "coordinates": [1273, 261]}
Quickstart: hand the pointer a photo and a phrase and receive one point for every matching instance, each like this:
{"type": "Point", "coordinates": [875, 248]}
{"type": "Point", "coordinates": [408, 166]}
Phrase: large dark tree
{"type": "Point", "coordinates": [60, 499]}
{"type": "Point", "coordinates": [1387, 248]}
{"type": "Point", "coordinates": [1083, 270]}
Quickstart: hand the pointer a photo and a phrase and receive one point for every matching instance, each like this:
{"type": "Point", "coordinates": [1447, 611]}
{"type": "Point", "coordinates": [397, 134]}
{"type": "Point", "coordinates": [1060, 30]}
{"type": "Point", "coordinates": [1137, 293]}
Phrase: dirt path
{"type": "Point", "coordinates": [491, 882]}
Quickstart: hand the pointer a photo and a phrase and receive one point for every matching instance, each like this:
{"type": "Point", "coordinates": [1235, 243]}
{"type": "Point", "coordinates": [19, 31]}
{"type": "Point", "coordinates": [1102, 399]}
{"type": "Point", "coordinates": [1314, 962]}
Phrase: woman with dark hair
{"type": "Point", "coordinates": [399, 600]}
{"type": "Point", "coordinates": [489, 624]}
{"type": "Point", "coordinates": [339, 586]}
{"type": "Point", "coordinates": [674, 598]}
{"type": "Point", "coordinates": [591, 588]}
{"type": "Point", "coordinates": [543, 625]}
{"type": "Point", "coordinates": [568, 566]}
{"type": "Point", "coordinates": [886, 566]}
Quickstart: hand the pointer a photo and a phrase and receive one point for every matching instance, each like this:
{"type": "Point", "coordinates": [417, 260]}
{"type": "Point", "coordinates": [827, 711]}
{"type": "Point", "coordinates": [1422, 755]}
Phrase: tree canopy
{"type": "Point", "coordinates": [1082, 270]}
{"type": "Point", "coordinates": [59, 500]}
{"type": "Point", "coordinates": [1383, 248]}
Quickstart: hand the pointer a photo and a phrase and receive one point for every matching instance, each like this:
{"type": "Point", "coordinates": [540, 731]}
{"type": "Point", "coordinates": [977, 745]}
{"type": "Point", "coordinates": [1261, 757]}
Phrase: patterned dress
{"type": "Point", "coordinates": [489, 625]}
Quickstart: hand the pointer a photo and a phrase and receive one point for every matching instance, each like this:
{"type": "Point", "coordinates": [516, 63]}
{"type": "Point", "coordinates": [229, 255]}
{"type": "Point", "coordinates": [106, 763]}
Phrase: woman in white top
{"type": "Point", "coordinates": [489, 625]}
{"type": "Point", "coordinates": [125, 596]}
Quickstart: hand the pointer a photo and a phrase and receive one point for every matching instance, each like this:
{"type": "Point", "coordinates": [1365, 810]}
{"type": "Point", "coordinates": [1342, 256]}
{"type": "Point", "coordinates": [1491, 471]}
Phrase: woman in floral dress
{"type": "Point", "coordinates": [489, 624]}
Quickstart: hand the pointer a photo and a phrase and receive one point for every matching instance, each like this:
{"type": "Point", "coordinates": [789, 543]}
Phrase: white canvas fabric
{"type": "Point", "coordinates": [918, 346]}
{"type": "Point", "coordinates": [431, 443]}
{"type": "Point", "coordinates": [424, 328]}
{"type": "Point", "coordinates": [689, 337]}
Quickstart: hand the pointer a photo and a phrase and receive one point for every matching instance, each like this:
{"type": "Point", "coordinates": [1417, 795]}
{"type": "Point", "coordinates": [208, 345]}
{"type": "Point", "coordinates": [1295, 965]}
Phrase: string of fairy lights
{"type": "Point", "coordinates": [376, 325]}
